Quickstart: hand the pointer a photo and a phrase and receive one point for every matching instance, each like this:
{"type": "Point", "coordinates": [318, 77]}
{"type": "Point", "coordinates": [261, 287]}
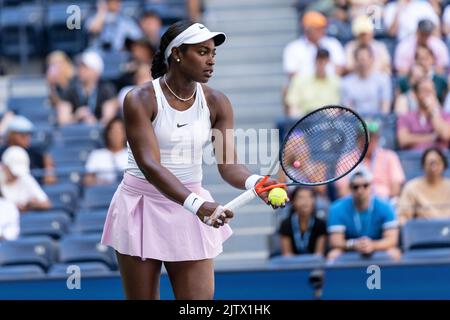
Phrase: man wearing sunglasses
{"type": "Point", "coordinates": [362, 222]}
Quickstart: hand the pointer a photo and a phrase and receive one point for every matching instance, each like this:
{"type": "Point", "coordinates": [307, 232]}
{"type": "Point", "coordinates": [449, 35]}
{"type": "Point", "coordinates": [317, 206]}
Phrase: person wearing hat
{"type": "Point", "coordinates": [18, 185]}
{"type": "Point", "coordinates": [299, 55]}
{"type": "Point", "coordinates": [384, 165]}
{"type": "Point", "coordinates": [18, 133]}
{"type": "Point", "coordinates": [160, 212]}
{"type": "Point", "coordinates": [109, 28]}
{"type": "Point", "coordinates": [362, 222]}
{"type": "Point", "coordinates": [405, 51]}
{"type": "Point", "coordinates": [88, 100]}
{"type": "Point", "coordinates": [362, 28]}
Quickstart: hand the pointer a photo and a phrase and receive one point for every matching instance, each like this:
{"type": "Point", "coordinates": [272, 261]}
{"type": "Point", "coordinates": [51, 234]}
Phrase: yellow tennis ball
{"type": "Point", "coordinates": [277, 196]}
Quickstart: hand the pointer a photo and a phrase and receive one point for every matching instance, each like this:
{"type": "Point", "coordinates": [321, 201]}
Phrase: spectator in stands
{"type": "Point", "coordinates": [60, 74]}
{"type": "Point", "coordinates": [141, 54]}
{"type": "Point", "coordinates": [302, 232]}
{"type": "Point", "coordinates": [18, 185]}
{"type": "Point", "coordinates": [194, 9]}
{"type": "Point", "coordinates": [151, 25]}
{"type": "Point", "coordinates": [19, 134]}
{"type": "Point", "coordinates": [427, 196]}
{"type": "Point", "coordinates": [9, 220]}
{"type": "Point", "coordinates": [306, 93]}
{"type": "Point", "coordinates": [423, 68]}
{"type": "Point", "coordinates": [406, 99]}
{"type": "Point", "coordinates": [299, 55]}
{"type": "Point", "coordinates": [362, 29]}
{"type": "Point", "coordinates": [103, 165]}
{"type": "Point", "coordinates": [427, 126]}
{"type": "Point", "coordinates": [365, 90]}
{"type": "Point", "coordinates": [384, 166]}
{"type": "Point", "coordinates": [88, 100]}
{"type": "Point", "coordinates": [109, 28]}
{"type": "Point", "coordinates": [406, 50]}
{"type": "Point", "coordinates": [446, 24]}
{"type": "Point", "coordinates": [401, 17]}
{"type": "Point", "coordinates": [362, 222]}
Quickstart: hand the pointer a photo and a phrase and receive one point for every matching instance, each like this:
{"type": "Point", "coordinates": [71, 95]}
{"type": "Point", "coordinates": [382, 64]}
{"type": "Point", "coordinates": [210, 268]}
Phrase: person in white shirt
{"type": "Point", "coordinates": [103, 164]}
{"type": "Point", "coordinates": [401, 17]}
{"type": "Point", "coordinates": [18, 185]}
{"type": "Point", "coordinates": [299, 55]}
{"type": "Point", "coordinates": [9, 220]}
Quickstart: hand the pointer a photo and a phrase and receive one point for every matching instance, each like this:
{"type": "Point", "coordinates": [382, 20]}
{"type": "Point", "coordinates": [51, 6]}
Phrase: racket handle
{"type": "Point", "coordinates": [241, 200]}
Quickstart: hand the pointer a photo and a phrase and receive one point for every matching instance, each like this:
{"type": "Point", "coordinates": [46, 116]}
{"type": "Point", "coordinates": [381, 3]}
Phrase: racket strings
{"type": "Point", "coordinates": [323, 146]}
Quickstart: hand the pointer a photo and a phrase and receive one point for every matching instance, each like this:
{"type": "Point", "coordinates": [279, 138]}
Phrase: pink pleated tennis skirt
{"type": "Point", "coordinates": [144, 223]}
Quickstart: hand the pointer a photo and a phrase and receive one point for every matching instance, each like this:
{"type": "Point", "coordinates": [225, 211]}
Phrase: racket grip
{"type": "Point", "coordinates": [241, 200]}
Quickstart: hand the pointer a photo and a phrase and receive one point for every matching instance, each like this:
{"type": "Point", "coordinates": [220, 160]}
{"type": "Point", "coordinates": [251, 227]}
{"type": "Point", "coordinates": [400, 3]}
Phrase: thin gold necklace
{"type": "Point", "coordinates": [171, 91]}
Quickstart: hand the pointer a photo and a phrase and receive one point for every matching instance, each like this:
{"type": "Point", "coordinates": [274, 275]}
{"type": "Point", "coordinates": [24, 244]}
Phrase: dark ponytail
{"type": "Point", "coordinates": [159, 66]}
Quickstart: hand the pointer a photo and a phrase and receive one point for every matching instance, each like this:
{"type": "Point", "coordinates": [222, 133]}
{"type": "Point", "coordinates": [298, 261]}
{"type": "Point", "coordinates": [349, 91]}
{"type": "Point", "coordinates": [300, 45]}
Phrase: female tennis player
{"type": "Point", "coordinates": [160, 213]}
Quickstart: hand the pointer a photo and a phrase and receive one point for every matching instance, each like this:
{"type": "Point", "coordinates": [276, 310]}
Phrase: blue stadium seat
{"type": "Point", "coordinates": [410, 161]}
{"type": "Point", "coordinates": [78, 132]}
{"type": "Point", "coordinates": [426, 234]}
{"type": "Point", "coordinates": [114, 62]}
{"type": "Point", "coordinates": [40, 251]}
{"type": "Point", "coordinates": [98, 196]}
{"type": "Point", "coordinates": [53, 224]}
{"type": "Point", "coordinates": [86, 248]}
{"type": "Point", "coordinates": [64, 174]}
{"type": "Point", "coordinates": [63, 195]}
{"type": "Point", "coordinates": [21, 272]}
{"type": "Point", "coordinates": [90, 221]}
{"type": "Point", "coordinates": [169, 11]}
{"type": "Point", "coordinates": [86, 269]}
{"type": "Point", "coordinates": [426, 255]}
{"type": "Point", "coordinates": [68, 155]}
{"type": "Point", "coordinates": [23, 103]}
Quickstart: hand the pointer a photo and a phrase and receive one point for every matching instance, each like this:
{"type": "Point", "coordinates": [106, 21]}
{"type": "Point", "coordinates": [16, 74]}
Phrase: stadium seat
{"type": "Point", "coordinates": [78, 132]}
{"type": "Point", "coordinates": [114, 62]}
{"type": "Point", "coordinates": [410, 161]}
{"type": "Point", "coordinates": [40, 251]}
{"type": "Point", "coordinates": [86, 248]}
{"type": "Point", "coordinates": [63, 195]}
{"type": "Point", "coordinates": [65, 174]}
{"type": "Point", "coordinates": [98, 196]}
{"type": "Point", "coordinates": [274, 245]}
{"type": "Point", "coordinates": [426, 255]}
{"type": "Point", "coordinates": [67, 155]}
{"type": "Point", "coordinates": [426, 234]}
{"type": "Point", "coordinates": [90, 221]}
{"type": "Point", "coordinates": [86, 269]}
{"type": "Point", "coordinates": [53, 224]}
{"type": "Point", "coordinates": [21, 272]}
{"type": "Point", "coordinates": [23, 103]}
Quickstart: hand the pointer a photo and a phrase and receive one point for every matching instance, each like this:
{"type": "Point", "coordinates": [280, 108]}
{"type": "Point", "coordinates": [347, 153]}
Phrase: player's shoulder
{"type": "Point", "coordinates": [214, 96]}
{"type": "Point", "coordinates": [142, 95]}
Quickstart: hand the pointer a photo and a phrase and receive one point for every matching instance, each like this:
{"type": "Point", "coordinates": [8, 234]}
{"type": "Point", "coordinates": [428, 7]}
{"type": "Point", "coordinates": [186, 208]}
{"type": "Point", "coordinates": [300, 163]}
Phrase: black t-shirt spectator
{"type": "Point", "coordinates": [36, 156]}
{"type": "Point", "coordinates": [306, 242]}
{"type": "Point", "coordinates": [75, 96]}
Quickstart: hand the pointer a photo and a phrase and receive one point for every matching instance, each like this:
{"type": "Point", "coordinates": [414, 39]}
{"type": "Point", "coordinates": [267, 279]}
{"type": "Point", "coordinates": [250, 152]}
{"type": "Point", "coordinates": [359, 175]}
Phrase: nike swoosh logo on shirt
{"type": "Point", "coordinates": [194, 201]}
{"type": "Point", "coordinates": [181, 125]}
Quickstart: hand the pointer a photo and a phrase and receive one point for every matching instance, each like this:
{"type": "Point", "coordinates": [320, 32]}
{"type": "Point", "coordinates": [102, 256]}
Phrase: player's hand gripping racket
{"type": "Point", "coordinates": [320, 148]}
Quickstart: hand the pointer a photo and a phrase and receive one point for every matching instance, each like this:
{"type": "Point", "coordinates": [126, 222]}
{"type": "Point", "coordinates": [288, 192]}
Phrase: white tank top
{"type": "Point", "coordinates": [181, 136]}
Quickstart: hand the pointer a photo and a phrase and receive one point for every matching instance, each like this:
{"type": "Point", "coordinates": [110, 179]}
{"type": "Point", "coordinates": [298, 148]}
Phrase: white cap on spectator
{"type": "Point", "coordinates": [17, 160]}
{"type": "Point", "coordinates": [20, 124]}
{"type": "Point", "coordinates": [361, 171]}
{"type": "Point", "coordinates": [93, 60]}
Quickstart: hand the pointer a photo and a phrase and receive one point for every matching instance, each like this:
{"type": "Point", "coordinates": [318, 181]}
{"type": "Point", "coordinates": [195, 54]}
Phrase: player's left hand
{"type": "Point", "coordinates": [265, 195]}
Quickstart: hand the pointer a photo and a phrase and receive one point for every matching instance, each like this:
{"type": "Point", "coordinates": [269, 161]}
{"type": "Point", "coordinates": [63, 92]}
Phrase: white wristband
{"type": "Point", "coordinates": [252, 180]}
{"type": "Point", "coordinates": [193, 202]}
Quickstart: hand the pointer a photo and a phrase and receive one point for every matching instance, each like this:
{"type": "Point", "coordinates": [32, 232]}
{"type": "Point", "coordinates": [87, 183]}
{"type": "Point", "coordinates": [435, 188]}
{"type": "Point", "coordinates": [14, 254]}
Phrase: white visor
{"type": "Point", "coordinates": [196, 33]}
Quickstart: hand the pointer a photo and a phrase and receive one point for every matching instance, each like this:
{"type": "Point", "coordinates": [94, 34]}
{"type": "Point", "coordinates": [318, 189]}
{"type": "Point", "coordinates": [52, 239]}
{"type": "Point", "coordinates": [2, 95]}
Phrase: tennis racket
{"type": "Point", "coordinates": [320, 148]}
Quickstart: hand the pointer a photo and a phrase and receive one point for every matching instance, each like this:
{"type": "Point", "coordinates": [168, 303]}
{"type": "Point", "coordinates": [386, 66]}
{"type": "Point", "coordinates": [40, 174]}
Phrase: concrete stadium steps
{"type": "Point", "coordinates": [222, 5]}
{"type": "Point", "coordinates": [261, 54]}
{"type": "Point", "coordinates": [257, 241]}
{"type": "Point", "coordinates": [247, 69]}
